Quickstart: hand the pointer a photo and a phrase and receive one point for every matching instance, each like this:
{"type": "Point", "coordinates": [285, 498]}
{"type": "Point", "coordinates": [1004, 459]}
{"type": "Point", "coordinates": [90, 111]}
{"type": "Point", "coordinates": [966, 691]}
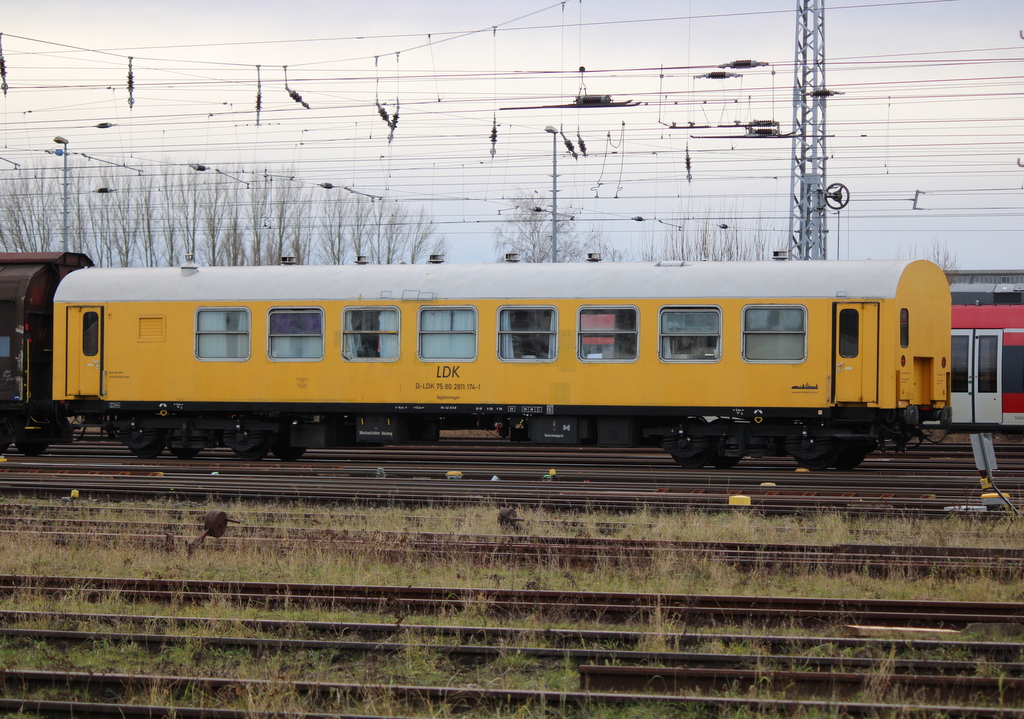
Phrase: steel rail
{"type": "Point", "coordinates": [79, 709]}
{"type": "Point", "coordinates": [878, 560]}
{"type": "Point", "coordinates": [470, 697]}
{"type": "Point", "coordinates": [831, 685]}
{"type": "Point", "coordinates": [423, 492]}
{"type": "Point", "coordinates": [476, 654]}
{"type": "Point", "coordinates": [922, 613]}
{"type": "Point", "coordinates": [994, 652]}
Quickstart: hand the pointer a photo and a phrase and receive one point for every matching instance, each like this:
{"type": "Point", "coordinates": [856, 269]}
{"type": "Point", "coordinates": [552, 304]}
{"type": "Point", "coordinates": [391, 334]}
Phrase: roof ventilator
{"type": "Point", "coordinates": [190, 267]}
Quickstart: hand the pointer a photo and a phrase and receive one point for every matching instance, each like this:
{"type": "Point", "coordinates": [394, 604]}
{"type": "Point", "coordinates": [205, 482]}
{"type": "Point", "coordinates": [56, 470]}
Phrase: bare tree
{"type": "Point", "coordinates": [154, 220]}
{"type": "Point", "coordinates": [211, 220]}
{"type": "Point", "coordinates": [419, 237]}
{"type": "Point", "coordinates": [382, 230]}
{"type": "Point", "coordinates": [30, 214]}
{"type": "Point", "coordinates": [235, 250]}
{"type": "Point", "coordinates": [936, 251]}
{"type": "Point", "coordinates": [335, 222]}
{"type": "Point", "coordinates": [285, 214]}
{"type": "Point", "coordinates": [149, 221]}
{"type": "Point", "coordinates": [718, 237]}
{"type": "Point", "coordinates": [188, 197]}
{"type": "Point", "coordinates": [527, 232]}
{"type": "Point", "coordinates": [258, 216]}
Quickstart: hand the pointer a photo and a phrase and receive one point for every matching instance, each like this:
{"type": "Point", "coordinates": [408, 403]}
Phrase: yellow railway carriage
{"type": "Point", "coordinates": [712, 361]}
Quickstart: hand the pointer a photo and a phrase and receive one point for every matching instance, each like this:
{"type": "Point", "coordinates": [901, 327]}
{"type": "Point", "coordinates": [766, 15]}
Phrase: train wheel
{"type": "Point", "coordinates": [32, 449]}
{"type": "Point", "coordinates": [249, 446]}
{"type": "Point", "coordinates": [852, 455]}
{"type": "Point", "coordinates": [145, 443]}
{"type": "Point", "coordinates": [817, 462]}
{"type": "Point", "coordinates": [720, 462]}
{"type": "Point", "coordinates": [184, 452]}
{"type": "Point", "coordinates": [252, 454]}
{"type": "Point", "coordinates": [287, 453]}
{"type": "Point", "coordinates": [147, 451]}
{"type": "Point", "coordinates": [701, 459]}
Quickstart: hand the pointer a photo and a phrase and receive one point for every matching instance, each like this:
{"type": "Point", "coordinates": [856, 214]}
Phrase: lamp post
{"type": "Point", "coordinates": [554, 192]}
{"type": "Point", "coordinates": [64, 152]}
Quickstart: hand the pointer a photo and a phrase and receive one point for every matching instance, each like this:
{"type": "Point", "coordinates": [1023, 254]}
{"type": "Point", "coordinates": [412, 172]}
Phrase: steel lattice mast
{"type": "Point", "coordinates": [807, 228]}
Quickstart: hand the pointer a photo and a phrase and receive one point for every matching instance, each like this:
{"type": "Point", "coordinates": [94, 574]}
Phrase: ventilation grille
{"type": "Point", "coordinates": [152, 329]}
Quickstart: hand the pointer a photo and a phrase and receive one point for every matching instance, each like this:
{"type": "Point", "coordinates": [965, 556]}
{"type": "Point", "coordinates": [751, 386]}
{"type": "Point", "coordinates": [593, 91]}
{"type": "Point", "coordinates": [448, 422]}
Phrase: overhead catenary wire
{"type": "Point", "coordinates": [955, 152]}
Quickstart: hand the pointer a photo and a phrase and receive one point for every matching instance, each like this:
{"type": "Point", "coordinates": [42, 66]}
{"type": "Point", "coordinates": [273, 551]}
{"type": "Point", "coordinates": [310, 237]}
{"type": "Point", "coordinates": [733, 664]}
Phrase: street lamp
{"type": "Point", "coordinates": [554, 191]}
{"type": "Point", "coordinates": [63, 151]}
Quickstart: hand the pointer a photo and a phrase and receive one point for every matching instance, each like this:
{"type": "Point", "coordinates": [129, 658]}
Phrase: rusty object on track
{"type": "Point", "coordinates": [215, 524]}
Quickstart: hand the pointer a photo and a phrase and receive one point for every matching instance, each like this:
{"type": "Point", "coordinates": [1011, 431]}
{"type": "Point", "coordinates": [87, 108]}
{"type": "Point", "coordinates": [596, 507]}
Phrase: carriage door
{"type": "Point", "coordinates": [855, 354]}
{"type": "Point", "coordinates": [85, 351]}
{"type": "Point", "coordinates": [977, 359]}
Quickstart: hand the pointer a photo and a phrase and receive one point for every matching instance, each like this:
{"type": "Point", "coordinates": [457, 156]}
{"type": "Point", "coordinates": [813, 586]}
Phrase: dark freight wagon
{"type": "Point", "coordinates": [28, 417]}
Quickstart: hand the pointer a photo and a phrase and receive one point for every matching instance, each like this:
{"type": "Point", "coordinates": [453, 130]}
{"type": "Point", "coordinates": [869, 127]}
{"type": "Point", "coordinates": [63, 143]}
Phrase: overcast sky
{"type": "Point", "coordinates": [931, 108]}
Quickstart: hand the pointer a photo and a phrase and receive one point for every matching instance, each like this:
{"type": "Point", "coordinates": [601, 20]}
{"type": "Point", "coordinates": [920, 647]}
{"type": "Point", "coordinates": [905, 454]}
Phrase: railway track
{"type": "Point", "coordinates": [600, 606]}
{"type": "Point", "coordinates": [623, 677]}
{"type": "Point", "coordinates": [569, 551]}
{"type": "Point", "coordinates": [456, 699]}
{"type": "Point", "coordinates": [880, 485]}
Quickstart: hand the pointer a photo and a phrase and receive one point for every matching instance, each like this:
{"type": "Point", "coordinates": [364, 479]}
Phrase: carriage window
{"type": "Point", "coordinates": [222, 334]}
{"type": "Point", "coordinates": [960, 360]}
{"type": "Point", "coordinates": [988, 364]}
{"type": "Point", "coordinates": [849, 333]}
{"type": "Point", "coordinates": [297, 334]}
{"type": "Point", "coordinates": [371, 334]}
{"type": "Point", "coordinates": [774, 334]}
{"type": "Point", "coordinates": [904, 328]}
{"type": "Point", "coordinates": [526, 333]}
{"type": "Point", "coordinates": [90, 334]}
{"type": "Point", "coordinates": [447, 334]}
{"type": "Point", "coordinates": [691, 334]}
{"type": "Point", "coordinates": [608, 333]}
{"type": "Point", "coordinates": [5, 346]}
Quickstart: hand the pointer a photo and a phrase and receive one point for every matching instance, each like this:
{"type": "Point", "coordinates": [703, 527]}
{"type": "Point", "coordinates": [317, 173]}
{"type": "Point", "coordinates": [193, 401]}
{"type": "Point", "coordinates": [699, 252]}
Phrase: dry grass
{"type": "Point", "coordinates": [320, 562]}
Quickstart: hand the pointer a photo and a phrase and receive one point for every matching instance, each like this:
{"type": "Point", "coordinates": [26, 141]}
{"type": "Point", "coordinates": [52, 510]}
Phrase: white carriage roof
{"type": "Point", "coordinates": [455, 282]}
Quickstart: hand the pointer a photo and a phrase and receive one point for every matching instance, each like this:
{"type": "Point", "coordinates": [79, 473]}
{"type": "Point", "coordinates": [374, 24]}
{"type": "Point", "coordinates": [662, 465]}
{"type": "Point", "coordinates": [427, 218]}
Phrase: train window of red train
{"type": "Point", "coordinates": [904, 328]}
{"type": "Point", "coordinates": [222, 334]}
{"type": "Point", "coordinates": [296, 334]}
{"type": "Point", "coordinates": [90, 334]}
{"type": "Point", "coordinates": [526, 333]}
{"type": "Point", "coordinates": [849, 333]}
{"type": "Point", "coordinates": [774, 334]}
{"type": "Point", "coordinates": [690, 334]}
{"type": "Point", "coordinates": [607, 334]}
{"type": "Point", "coordinates": [448, 334]}
{"type": "Point", "coordinates": [370, 334]}
{"type": "Point", "coordinates": [988, 364]}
